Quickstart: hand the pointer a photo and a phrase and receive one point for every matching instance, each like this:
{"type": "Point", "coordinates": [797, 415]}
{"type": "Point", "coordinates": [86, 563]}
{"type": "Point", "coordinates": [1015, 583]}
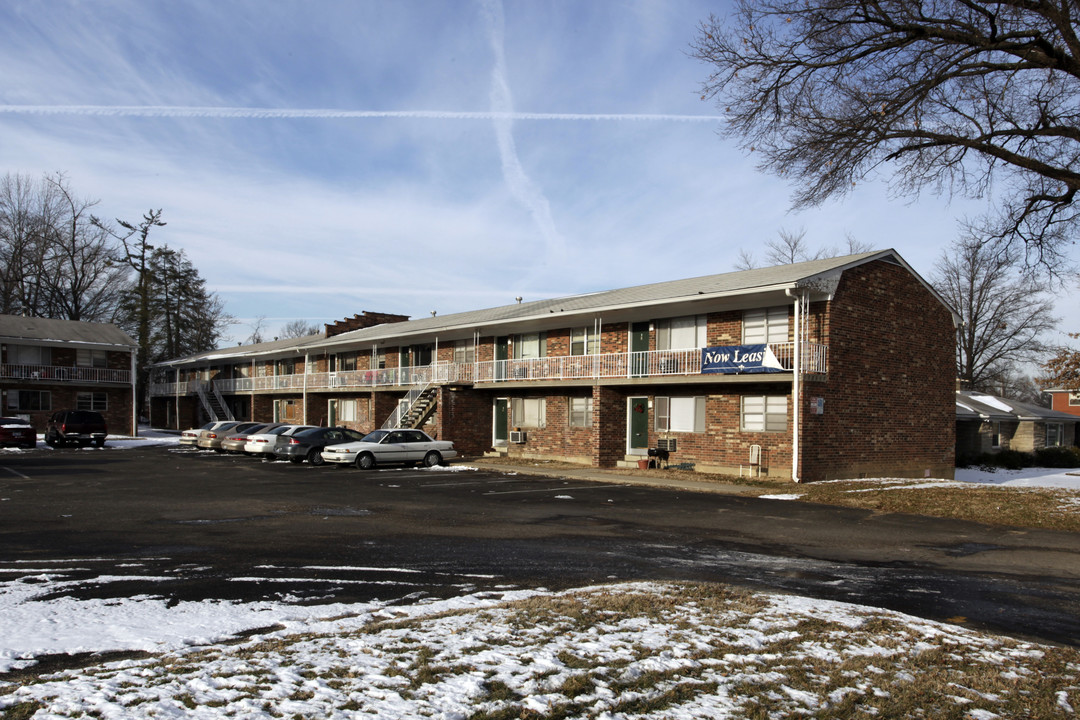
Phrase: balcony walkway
{"type": "Point", "coordinates": [653, 363]}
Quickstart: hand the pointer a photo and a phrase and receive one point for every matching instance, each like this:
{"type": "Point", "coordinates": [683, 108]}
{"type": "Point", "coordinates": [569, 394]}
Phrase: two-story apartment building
{"type": "Point", "coordinates": [824, 369]}
{"type": "Point", "coordinates": [48, 364]}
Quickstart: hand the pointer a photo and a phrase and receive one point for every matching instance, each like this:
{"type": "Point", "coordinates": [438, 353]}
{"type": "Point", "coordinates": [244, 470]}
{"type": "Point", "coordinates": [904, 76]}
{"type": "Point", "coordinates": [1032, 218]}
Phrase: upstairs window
{"type": "Point", "coordinates": [530, 345]}
{"type": "Point", "coordinates": [584, 341]}
{"type": "Point", "coordinates": [765, 326]}
{"type": "Point", "coordinates": [464, 352]}
{"type": "Point", "coordinates": [29, 355]}
{"type": "Point", "coordinates": [682, 333]}
{"type": "Point", "coordinates": [92, 358]}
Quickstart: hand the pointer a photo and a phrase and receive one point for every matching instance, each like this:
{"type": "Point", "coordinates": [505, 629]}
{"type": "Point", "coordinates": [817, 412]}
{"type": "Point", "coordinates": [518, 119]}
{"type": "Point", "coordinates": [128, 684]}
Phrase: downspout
{"type": "Point", "coordinates": [306, 368]}
{"type": "Point", "coordinates": [796, 387]}
{"type": "Point", "coordinates": [134, 400]}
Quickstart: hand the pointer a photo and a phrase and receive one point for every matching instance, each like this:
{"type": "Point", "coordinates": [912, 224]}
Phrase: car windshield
{"type": "Point", "coordinates": [13, 421]}
{"type": "Point", "coordinates": [375, 436]}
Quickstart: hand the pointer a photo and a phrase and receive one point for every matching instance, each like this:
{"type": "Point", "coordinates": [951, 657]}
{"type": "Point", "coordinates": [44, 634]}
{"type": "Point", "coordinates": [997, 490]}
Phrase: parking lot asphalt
{"type": "Point", "coordinates": [189, 525]}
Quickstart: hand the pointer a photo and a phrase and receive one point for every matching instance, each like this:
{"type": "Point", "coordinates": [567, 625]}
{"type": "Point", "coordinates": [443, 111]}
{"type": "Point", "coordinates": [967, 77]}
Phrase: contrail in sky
{"type": "Point", "coordinates": [521, 186]}
{"type": "Point", "coordinates": [243, 113]}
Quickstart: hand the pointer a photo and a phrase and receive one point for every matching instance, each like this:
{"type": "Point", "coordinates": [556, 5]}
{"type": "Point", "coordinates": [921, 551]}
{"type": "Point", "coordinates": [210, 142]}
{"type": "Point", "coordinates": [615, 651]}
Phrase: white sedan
{"type": "Point", "coordinates": [264, 443]}
{"type": "Point", "coordinates": [386, 447]}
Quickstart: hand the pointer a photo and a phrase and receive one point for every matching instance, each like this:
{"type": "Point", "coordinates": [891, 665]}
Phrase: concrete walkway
{"type": "Point", "coordinates": [649, 478]}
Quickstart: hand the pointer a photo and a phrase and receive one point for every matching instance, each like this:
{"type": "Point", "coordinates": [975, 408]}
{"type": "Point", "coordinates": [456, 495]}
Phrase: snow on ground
{"type": "Point", "coordinates": [631, 650]}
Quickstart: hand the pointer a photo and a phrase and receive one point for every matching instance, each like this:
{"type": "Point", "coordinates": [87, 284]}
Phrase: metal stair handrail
{"type": "Point", "coordinates": [221, 401]}
{"type": "Point", "coordinates": [422, 383]}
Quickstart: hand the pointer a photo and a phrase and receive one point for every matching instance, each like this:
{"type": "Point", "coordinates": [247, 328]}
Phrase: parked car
{"type": "Point", "coordinates": [309, 444]}
{"type": "Point", "coordinates": [16, 432]}
{"type": "Point", "coordinates": [263, 443]}
{"type": "Point", "coordinates": [397, 446]}
{"type": "Point", "coordinates": [76, 426]}
{"type": "Point", "coordinates": [211, 439]}
{"type": "Point", "coordinates": [234, 441]}
{"type": "Point", "coordinates": [190, 437]}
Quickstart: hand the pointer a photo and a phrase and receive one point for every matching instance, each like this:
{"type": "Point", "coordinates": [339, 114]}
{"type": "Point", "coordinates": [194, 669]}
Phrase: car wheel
{"type": "Point", "coordinates": [365, 461]}
{"type": "Point", "coordinates": [52, 441]}
{"type": "Point", "coordinates": [432, 459]}
{"type": "Point", "coordinates": [315, 457]}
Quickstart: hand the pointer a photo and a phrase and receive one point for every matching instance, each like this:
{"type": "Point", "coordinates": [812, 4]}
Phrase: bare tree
{"type": "Point", "coordinates": [1004, 312]}
{"type": "Point", "coordinates": [948, 95]}
{"type": "Point", "coordinates": [298, 329]}
{"type": "Point", "coordinates": [258, 331]}
{"type": "Point", "coordinates": [791, 247]}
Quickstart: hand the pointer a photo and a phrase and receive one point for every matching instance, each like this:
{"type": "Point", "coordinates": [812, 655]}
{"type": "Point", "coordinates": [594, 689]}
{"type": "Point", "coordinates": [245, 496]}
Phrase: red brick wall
{"type": "Point", "coordinates": [464, 416]}
{"type": "Point", "coordinates": [889, 396]}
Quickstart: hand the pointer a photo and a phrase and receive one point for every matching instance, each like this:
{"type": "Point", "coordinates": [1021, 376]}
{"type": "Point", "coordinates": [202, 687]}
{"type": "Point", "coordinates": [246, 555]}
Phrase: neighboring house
{"type": "Point", "coordinates": [48, 365]}
{"type": "Point", "coordinates": [989, 424]}
{"type": "Point", "coordinates": [1066, 401]}
{"type": "Point", "coordinates": [824, 369]}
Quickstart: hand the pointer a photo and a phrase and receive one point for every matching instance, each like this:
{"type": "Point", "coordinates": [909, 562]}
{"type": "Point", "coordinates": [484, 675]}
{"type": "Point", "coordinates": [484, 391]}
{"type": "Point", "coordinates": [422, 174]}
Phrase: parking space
{"type": "Point", "coordinates": [189, 524]}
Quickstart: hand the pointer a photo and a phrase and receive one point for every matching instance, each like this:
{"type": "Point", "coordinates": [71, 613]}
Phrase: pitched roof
{"type": "Point", "coordinates": [973, 405]}
{"type": "Point", "coordinates": [731, 284]}
{"type": "Point", "coordinates": [16, 327]}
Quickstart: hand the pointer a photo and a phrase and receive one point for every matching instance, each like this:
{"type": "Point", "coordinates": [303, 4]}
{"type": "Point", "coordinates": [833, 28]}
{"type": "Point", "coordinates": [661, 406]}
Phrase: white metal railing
{"type": "Point", "coordinates": [65, 373]}
{"type": "Point", "coordinates": [653, 363]}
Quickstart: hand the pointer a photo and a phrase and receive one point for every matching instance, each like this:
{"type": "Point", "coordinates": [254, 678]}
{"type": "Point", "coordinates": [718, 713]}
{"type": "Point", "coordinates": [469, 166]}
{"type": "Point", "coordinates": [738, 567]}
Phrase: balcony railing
{"type": "Point", "coordinates": [61, 373]}
{"type": "Point", "coordinates": [654, 363]}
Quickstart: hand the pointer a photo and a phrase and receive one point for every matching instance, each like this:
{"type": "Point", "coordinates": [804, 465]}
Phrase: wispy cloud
{"type": "Point", "coordinates": [252, 113]}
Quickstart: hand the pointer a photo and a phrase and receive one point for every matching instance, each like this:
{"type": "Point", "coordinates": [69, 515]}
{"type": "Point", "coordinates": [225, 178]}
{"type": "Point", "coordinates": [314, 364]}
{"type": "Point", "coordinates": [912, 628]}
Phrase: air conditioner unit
{"type": "Point", "coordinates": [666, 444]}
{"type": "Point", "coordinates": [517, 436]}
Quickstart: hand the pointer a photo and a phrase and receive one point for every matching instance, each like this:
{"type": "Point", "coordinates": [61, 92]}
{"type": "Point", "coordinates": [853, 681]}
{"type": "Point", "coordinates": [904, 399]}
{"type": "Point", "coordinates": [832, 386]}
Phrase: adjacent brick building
{"type": "Point", "coordinates": [825, 369]}
{"type": "Point", "coordinates": [48, 365]}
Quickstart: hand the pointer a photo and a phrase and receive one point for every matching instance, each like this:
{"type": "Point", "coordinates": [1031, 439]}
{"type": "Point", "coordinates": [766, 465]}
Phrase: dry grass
{"type": "Point", "coordinates": [1007, 506]}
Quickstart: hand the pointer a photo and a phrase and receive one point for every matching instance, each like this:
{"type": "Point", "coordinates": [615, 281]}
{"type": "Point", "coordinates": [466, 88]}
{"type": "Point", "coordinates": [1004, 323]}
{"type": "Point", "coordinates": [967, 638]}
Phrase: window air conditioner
{"type": "Point", "coordinates": [666, 444]}
{"type": "Point", "coordinates": [517, 436]}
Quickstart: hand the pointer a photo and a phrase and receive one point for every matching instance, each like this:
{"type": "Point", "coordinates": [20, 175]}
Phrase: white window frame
{"type": "Point", "coordinates": [679, 414]}
{"type": "Point", "coordinates": [1058, 430]}
{"type": "Point", "coordinates": [584, 341]}
{"type": "Point", "coordinates": [346, 410]}
{"type": "Point", "coordinates": [1074, 398]}
{"type": "Point", "coordinates": [528, 412]}
{"type": "Point", "coordinates": [523, 342]}
{"type": "Point", "coordinates": [96, 401]}
{"type": "Point", "coordinates": [682, 326]}
{"type": "Point", "coordinates": [464, 352]}
{"type": "Point", "coordinates": [766, 326]}
{"type": "Point", "coordinates": [764, 413]}
{"type": "Point", "coordinates": [580, 411]}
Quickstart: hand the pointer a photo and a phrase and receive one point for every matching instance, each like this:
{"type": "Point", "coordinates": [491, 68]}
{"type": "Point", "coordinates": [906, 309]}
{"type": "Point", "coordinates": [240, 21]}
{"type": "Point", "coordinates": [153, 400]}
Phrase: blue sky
{"type": "Point", "coordinates": [317, 158]}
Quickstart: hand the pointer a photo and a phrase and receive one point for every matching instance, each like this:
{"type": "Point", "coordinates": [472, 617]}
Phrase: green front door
{"type": "Point", "coordinates": [638, 424]}
{"type": "Point", "coordinates": [639, 349]}
{"type": "Point", "coordinates": [501, 425]}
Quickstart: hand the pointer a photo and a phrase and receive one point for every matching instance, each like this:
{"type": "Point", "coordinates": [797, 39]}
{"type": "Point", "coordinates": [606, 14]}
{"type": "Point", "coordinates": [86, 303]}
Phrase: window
{"type": "Point", "coordinates": [1055, 434]}
{"type": "Point", "coordinates": [682, 333]}
{"type": "Point", "coordinates": [92, 358]}
{"type": "Point", "coordinates": [528, 412]}
{"type": "Point", "coordinates": [464, 352]}
{"type": "Point", "coordinates": [380, 359]}
{"type": "Point", "coordinates": [764, 414]}
{"type": "Point", "coordinates": [765, 326]}
{"type": "Point", "coordinates": [529, 345]}
{"type": "Point", "coordinates": [286, 367]}
{"type": "Point", "coordinates": [29, 355]}
{"type": "Point", "coordinates": [27, 400]}
{"type": "Point", "coordinates": [995, 434]}
{"type": "Point", "coordinates": [1074, 398]}
{"type": "Point", "coordinates": [98, 401]}
{"type": "Point", "coordinates": [680, 414]}
{"type": "Point", "coordinates": [581, 412]}
{"type": "Point", "coordinates": [584, 341]}
{"type": "Point", "coordinates": [343, 362]}
{"type": "Point", "coordinates": [346, 410]}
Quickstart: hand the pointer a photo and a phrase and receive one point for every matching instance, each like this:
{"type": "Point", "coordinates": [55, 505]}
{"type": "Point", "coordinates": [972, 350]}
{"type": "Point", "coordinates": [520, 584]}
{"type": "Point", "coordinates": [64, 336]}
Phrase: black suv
{"type": "Point", "coordinates": [75, 426]}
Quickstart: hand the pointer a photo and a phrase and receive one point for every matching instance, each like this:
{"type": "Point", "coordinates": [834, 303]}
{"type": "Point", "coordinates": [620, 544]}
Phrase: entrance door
{"type": "Point", "coordinates": [502, 354]}
{"type": "Point", "coordinates": [637, 425]}
{"type": "Point", "coordinates": [501, 425]}
{"type": "Point", "coordinates": [639, 349]}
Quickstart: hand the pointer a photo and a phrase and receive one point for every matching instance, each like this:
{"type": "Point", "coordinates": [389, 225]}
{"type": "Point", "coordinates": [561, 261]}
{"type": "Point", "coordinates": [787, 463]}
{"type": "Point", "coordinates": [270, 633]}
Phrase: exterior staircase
{"type": "Point", "coordinates": [415, 408]}
{"type": "Point", "coordinates": [213, 403]}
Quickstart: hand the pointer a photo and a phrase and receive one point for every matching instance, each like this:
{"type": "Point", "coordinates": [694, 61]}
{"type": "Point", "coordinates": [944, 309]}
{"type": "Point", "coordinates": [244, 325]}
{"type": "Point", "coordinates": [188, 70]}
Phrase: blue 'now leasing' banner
{"type": "Point", "coordinates": [739, 359]}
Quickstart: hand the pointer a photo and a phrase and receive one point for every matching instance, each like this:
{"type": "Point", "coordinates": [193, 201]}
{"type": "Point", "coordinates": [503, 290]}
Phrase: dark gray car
{"type": "Point", "coordinates": [309, 444]}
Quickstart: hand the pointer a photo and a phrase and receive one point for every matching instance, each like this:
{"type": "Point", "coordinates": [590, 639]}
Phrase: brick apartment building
{"type": "Point", "coordinates": [48, 365]}
{"type": "Point", "coordinates": [832, 368]}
